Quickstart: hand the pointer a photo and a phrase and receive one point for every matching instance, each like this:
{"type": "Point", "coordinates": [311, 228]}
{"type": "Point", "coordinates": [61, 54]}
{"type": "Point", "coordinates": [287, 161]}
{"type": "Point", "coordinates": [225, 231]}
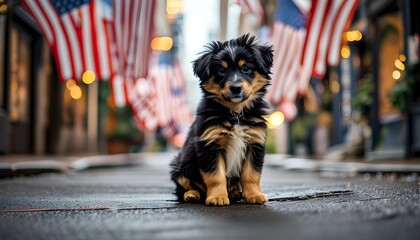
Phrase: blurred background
{"type": "Point", "coordinates": [107, 77]}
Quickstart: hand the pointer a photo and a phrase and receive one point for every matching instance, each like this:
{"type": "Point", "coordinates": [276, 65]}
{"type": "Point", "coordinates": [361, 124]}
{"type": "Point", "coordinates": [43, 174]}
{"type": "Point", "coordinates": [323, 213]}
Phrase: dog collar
{"type": "Point", "coordinates": [237, 116]}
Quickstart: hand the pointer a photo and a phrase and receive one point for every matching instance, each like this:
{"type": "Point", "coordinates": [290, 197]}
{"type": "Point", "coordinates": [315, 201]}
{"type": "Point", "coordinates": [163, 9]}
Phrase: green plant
{"type": "Point", "coordinates": [362, 101]}
{"type": "Point", "coordinates": [124, 129]}
{"type": "Point", "coordinates": [400, 93]}
{"type": "Point", "coordinates": [299, 129]}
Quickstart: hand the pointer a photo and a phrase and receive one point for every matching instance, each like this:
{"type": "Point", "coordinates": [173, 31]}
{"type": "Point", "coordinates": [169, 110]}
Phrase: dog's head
{"type": "Point", "coordinates": [236, 72]}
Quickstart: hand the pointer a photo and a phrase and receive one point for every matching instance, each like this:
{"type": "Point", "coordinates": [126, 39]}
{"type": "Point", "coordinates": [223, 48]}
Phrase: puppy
{"type": "Point", "coordinates": [223, 155]}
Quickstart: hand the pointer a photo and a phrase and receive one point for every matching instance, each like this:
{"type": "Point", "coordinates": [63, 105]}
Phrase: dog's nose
{"type": "Point", "coordinates": [235, 88]}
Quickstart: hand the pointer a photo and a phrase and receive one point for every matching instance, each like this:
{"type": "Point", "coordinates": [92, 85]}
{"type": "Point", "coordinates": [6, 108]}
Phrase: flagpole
{"type": "Point", "coordinates": [92, 116]}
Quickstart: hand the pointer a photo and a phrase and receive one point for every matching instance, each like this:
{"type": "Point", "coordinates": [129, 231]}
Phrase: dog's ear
{"type": "Point", "coordinates": [264, 56]}
{"type": "Point", "coordinates": [262, 53]}
{"type": "Point", "coordinates": [201, 66]}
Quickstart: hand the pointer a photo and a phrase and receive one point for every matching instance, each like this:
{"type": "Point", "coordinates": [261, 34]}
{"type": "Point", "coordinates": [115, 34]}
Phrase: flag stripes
{"type": "Point", "coordinates": [305, 43]}
{"type": "Point", "coordinates": [288, 36]}
{"type": "Point", "coordinates": [133, 29]}
{"type": "Point", "coordinates": [77, 35]}
{"type": "Point", "coordinates": [325, 28]}
{"type": "Point", "coordinates": [252, 6]}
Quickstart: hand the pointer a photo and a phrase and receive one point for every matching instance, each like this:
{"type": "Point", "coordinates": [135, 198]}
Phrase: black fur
{"type": "Point", "coordinates": [199, 156]}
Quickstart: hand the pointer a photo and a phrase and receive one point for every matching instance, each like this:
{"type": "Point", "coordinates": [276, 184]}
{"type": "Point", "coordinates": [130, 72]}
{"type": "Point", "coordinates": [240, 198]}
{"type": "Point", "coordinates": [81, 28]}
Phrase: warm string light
{"type": "Point", "coordinates": [275, 119]}
{"type": "Point", "coordinates": [162, 43]}
{"type": "Point", "coordinates": [345, 51]}
{"type": "Point", "coordinates": [399, 64]}
{"type": "Point", "coordinates": [3, 7]}
{"type": "Point", "coordinates": [353, 36]}
{"type": "Point", "coordinates": [75, 91]}
{"type": "Point", "coordinates": [173, 7]}
{"type": "Point", "coordinates": [88, 77]}
{"type": "Point", "coordinates": [350, 36]}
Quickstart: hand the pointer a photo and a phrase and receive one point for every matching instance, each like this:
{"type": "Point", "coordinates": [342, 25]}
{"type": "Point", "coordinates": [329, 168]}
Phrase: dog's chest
{"type": "Point", "coordinates": [235, 150]}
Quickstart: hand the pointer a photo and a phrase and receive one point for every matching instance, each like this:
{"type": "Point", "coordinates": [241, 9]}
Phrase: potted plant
{"type": "Point", "coordinates": [124, 134]}
{"type": "Point", "coordinates": [400, 93]}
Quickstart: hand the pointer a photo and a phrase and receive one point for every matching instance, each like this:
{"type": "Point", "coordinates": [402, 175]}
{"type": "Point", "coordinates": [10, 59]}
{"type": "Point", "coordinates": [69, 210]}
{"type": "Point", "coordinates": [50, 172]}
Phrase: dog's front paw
{"type": "Point", "coordinates": [258, 198]}
{"type": "Point", "coordinates": [191, 196]}
{"type": "Point", "coordinates": [217, 200]}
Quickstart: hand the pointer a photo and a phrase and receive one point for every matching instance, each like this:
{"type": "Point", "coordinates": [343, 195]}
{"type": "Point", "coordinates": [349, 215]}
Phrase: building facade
{"type": "Point", "coordinates": [37, 113]}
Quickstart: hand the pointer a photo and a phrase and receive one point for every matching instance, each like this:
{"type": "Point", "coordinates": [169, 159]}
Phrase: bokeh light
{"type": "Point", "coordinates": [76, 92]}
{"type": "Point", "coordinates": [162, 43]}
{"type": "Point", "coordinates": [70, 83]}
{"type": "Point", "coordinates": [345, 51]}
{"type": "Point", "coordinates": [275, 119]}
{"type": "Point", "coordinates": [88, 77]}
{"type": "Point", "coordinates": [396, 74]}
{"type": "Point", "coordinates": [352, 36]}
{"type": "Point", "coordinates": [402, 57]}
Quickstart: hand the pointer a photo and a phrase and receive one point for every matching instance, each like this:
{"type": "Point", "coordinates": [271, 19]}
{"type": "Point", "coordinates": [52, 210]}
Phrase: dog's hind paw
{"type": "Point", "coordinates": [217, 200]}
{"type": "Point", "coordinates": [191, 196]}
{"type": "Point", "coordinates": [235, 196]}
{"type": "Point", "coordinates": [257, 198]}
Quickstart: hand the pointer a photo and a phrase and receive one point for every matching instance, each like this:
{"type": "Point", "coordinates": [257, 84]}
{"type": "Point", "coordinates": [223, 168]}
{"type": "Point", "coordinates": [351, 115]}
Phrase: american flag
{"type": "Point", "coordinates": [133, 29]}
{"type": "Point", "coordinates": [288, 36]}
{"type": "Point", "coordinates": [252, 6]}
{"type": "Point", "coordinates": [305, 44]}
{"type": "Point", "coordinates": [172, 110]}
{"type": "Point", "coordinates": [76, 31]}
{"type": "Point", "coordinates": [326, 24]}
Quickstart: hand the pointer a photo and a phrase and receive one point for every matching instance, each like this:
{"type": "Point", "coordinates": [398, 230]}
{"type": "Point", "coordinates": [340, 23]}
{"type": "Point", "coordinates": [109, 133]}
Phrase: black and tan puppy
{"type": "Point", "coordinates": [223, 155]}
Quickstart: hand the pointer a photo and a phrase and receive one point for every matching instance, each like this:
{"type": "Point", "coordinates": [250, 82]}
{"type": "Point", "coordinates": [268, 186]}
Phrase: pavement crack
{"type": "Point", "coordinates": [80, 209]}
{"type": "Point", "coordinates": [54, 209]}
{"type": "Point", "coordinates": [312, 196]}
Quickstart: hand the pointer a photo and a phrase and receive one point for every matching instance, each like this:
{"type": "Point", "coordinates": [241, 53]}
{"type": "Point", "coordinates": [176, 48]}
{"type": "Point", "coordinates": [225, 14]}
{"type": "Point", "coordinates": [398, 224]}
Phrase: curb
{"type": "Point", "coordinates": [303, 164]}
{"type": "Point", "coordinates": [36, 167]}
{"type": "Point", "coordinates": [28, 168]}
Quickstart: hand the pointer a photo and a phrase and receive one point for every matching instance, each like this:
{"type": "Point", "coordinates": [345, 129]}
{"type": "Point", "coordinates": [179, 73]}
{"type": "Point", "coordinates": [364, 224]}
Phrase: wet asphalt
{"type": "Point", "coordinates": [136, 202]}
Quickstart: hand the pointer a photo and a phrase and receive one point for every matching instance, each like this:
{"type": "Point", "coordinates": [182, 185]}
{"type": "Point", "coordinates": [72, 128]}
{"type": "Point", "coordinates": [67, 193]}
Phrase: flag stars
{"type": "Point", "coordinates": [64, 6]}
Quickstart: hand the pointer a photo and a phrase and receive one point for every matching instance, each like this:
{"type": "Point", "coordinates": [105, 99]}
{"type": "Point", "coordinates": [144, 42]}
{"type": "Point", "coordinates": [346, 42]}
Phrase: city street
{"type": "Point", "coordinates": [136, 202]}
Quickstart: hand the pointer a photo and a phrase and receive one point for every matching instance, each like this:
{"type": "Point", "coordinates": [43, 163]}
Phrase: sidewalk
{"type": "Point", "coordinates": [388, 170]}
{"type": "Point", "coordinates": [137, 202]}
{"type": "Point", "coordinates": [23, 165]}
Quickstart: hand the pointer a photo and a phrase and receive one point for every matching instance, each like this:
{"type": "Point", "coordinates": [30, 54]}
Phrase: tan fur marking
{"type": "Point", "coordinates": [250, 181]}
{"type": "Point", "coordinates": [241, 63]}
{"type": "Point", "coordinates": [234, 191]}
{"type": "Point", "coordinates": [191, 196]}
{"type": "Point", "coordinates": [249, 90]}
{"type": "Point", "coordinates": [185, 183]}
{"type": "Point", "coordinates": [246, 88]}
{"type": "Point", "coordinates": [225, 89]}
{"type": "Point", "coordinates": [216, 134]}
{"type": "Point", "coordinates": [216, 185]}
{"type": "Point", "coordinates": [225, 64]}
{"type": "Point", "coordinates": [257, 135]}
{"type": "Point", "coordinates": [211, 87]}
{"type": "Point", "coordinates": [258, 83]}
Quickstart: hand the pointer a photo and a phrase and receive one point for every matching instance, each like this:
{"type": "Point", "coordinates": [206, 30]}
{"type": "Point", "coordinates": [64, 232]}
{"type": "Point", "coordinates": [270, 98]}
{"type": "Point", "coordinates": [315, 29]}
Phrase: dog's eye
{"type": "Point", "coordinates": [246, 69]}
{"type": "Point", "coordinates": [221, 71]}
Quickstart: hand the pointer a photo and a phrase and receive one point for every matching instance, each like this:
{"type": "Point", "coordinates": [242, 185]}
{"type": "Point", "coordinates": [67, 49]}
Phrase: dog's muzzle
{"type": "Point", "coordinates": [235, 92]}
